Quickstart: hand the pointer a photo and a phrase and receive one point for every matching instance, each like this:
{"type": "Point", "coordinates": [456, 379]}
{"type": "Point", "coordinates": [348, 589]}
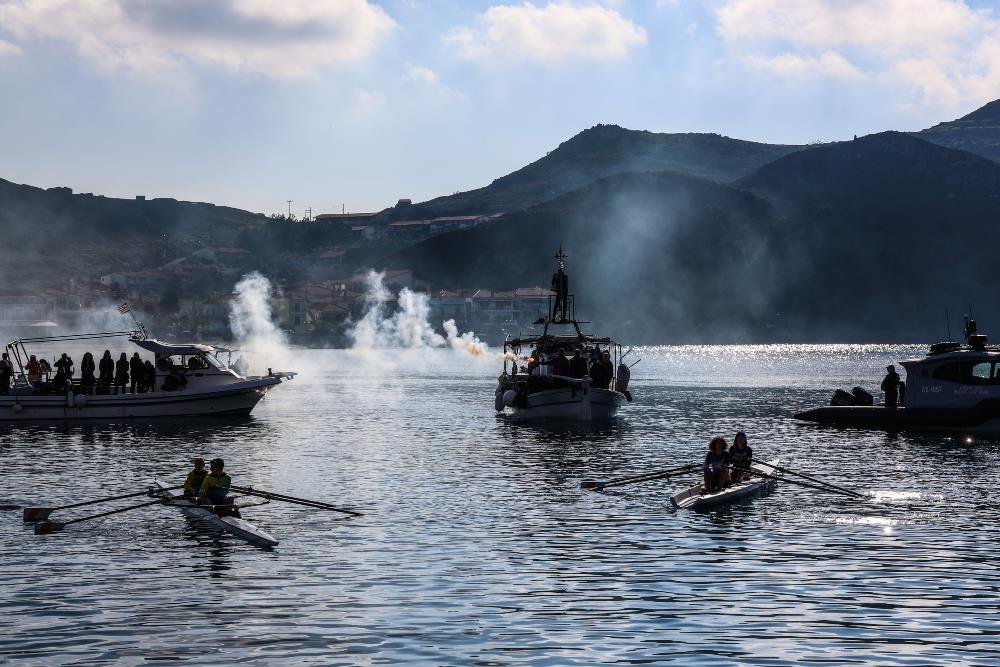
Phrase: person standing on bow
{"type": "Point", "coordinates": [215, 489]}
{"type": "Point", "coordinates": [107, 369]}
{"type": "Point", "coordinates": [121, 374]}
{"type": "Point", "coordinates": [890, 385]}
{"type": "Point", "coordinates": [87, 368]}
{"type": "Point", "coordinates": [195, 479]}
{"type": "Point", "coordinates": [135, 371]}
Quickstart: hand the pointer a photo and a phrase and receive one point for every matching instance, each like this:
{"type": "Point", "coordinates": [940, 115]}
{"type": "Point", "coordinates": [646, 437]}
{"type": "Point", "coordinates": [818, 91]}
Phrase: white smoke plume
{"type": "Point", "coordinates": [263, 344]}
{"type": "Point", "coordinates": [409, 328]}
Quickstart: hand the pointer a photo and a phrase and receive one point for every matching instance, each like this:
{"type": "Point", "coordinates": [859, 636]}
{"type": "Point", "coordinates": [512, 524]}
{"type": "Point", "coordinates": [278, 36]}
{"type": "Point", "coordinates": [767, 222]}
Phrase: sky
{"type": "Point", "coordinates": [357, 103]}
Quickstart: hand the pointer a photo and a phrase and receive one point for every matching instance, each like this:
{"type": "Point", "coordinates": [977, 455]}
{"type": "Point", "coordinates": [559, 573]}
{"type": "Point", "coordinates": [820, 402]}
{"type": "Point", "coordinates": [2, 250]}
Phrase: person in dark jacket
{"type": "Point", "coordinates": [577, 365]}
{"type": "Point", "coordinates": [6, 373]}
{"type": "Point", "coordinates": [599, 377]}
{"type": "Point", "coordinates": [65, 364]}
{"type": "Point", "coordinates": [740, 456]}
{"type": "Point", "coordinates": [148, 376]}
{"type": "Point", "coordinates": [135, 371]}
{"type": "Point", "coordinates": [716, 465]}
{"type": "Point", "coordinates": [560, 365]}
{"type": "Point", "coordinates": [87, 368]}
{"type": "Point", "coordinates": [890, 385]}
{"type": "Point", "coordinates": [121, 374]}
{"type": "Point", "coordinates": [107, 370]}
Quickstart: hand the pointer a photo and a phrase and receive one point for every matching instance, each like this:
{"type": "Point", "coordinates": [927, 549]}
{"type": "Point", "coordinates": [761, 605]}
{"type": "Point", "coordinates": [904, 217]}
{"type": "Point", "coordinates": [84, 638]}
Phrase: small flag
{"type": "Point", "coordinates": [124, 308]}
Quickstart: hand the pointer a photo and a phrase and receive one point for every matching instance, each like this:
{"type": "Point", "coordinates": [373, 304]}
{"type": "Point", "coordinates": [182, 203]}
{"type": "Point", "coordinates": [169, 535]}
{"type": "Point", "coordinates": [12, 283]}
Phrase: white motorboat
{"type": "Point", "coordinates": [551, 385]}
{"type": "Point", "coordinates": [190, 380]}
{"type": "Point", "coordinates": [694, 498]}
{"type": "Point", "coordinates": [955, 387]}
{"type": "Point", "coordinates": [233, 525]}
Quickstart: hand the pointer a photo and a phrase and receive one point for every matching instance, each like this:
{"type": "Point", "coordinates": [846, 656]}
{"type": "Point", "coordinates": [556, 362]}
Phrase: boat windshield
{"type": "Point", "coordinates": [189, 361]}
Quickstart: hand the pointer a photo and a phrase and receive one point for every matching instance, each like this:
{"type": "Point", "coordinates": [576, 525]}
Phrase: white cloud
{"type": "Point", "coordinates": [557, 33]}
{"type": "Point", "coordinates": [368, 102]}
{"type": "Point", "coordinates": [420, 74]}
{"type": "Point", "coordinates": [8, 49]}
{"type": "Point", "coordinates": [286, 39]}
{"type": "Point", "coordinates": [945, 50]}
{"type": "Point", "coordinates": [428, 80]}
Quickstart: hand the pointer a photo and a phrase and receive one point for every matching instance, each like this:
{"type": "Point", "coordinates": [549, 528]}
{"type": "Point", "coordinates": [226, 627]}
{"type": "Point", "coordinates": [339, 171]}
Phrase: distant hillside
{"type": "Point", "coordinates": [978, 132]}
{"type": "Point", "coordinates": [605, 150]}
{"type": "Point", "coordinates": [53, 233]}
{"type": "Point", "coordinates": [865, 239]}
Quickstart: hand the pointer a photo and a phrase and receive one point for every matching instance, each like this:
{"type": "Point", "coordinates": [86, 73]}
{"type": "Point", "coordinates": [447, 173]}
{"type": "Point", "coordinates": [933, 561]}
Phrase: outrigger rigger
{"type": "Point", "coordinates": [188, 380]}
{"type": "Point", "coordinates": [571, 375]}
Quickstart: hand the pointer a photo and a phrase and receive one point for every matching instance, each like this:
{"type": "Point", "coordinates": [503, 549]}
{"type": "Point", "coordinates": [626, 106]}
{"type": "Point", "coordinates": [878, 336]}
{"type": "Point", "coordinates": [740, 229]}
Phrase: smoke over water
{"type": "Point", "coordinates": [408, 328]}
{"type": "Point", "coordinates": [264, 345]}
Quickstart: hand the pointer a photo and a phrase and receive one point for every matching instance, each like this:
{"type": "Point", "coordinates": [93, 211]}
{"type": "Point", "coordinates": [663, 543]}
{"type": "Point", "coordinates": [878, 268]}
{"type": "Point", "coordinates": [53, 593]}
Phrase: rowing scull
{"type": "Point", "coordinates": [230, 524]}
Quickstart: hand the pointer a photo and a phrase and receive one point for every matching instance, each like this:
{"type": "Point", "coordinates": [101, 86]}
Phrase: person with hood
{"type": "Point", "coordinates": [135, 370]}
{"type": "Point", "coordinates": [107, 370]}
{"type": "Point", "coordinates": [890, 385]}
{"type": "Point", "coordinates": [121, 374]}
{"type": "Point", "coordinates": [87, 368]}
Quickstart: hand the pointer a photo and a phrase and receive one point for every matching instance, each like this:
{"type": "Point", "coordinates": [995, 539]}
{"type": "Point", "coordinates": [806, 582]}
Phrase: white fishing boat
{"type": "Point", "coordinates": [694, 498]}
{"type": "Point", "coordinates": [550, 383]}
{"type": "Point", "coordinates": [189, 380]}
{"type": "Point", "coordinates": [233, 525]}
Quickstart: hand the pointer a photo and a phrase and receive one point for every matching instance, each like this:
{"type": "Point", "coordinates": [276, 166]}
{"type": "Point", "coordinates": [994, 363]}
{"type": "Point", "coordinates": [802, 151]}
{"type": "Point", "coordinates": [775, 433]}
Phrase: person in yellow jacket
{"type": "Point", "coordinates": [195, 478]}
{"type": "Point", "coordinates": [215, 489]}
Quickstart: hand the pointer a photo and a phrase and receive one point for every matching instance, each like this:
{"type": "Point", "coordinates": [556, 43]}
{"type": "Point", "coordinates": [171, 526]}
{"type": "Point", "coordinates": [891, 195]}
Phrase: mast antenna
{"type": "Point", "coordinates": [947, 320]}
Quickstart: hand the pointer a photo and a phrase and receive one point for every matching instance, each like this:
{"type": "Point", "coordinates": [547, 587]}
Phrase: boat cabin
{"type": "Point", "coordinates": [953, 375]}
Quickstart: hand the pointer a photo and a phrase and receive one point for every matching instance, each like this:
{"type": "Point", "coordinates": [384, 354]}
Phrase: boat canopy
{"type": "Point", "coordinates": [166, 349]}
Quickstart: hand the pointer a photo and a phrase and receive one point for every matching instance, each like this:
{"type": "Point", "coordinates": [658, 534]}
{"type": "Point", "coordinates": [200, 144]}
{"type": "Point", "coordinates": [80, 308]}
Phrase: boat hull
{"type": "Point", "coordinates": [234, 526]}
{"type": "Point", "coordinates": [565, 403]}
{"type": "Point", "coordinates": [234, 399]}
{"type": "Point", "coordinates": [984, 417]}
{"type": "Point", "coordinates": [691, 498]}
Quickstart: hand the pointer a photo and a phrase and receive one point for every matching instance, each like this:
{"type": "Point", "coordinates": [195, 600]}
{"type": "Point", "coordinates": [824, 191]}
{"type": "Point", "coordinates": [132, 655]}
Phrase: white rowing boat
{"type": "Point", "coordinates": [230, 524]}
{"type": "Point", "coordinates": [692, 497]}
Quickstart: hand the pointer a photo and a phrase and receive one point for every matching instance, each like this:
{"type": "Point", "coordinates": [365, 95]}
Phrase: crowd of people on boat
{"type": "Point", "coordinates": [725, 465]}
{"type": "Point", "coordinates": [596, 364]}
{"type": "Point", "coordinates": [105, 376]}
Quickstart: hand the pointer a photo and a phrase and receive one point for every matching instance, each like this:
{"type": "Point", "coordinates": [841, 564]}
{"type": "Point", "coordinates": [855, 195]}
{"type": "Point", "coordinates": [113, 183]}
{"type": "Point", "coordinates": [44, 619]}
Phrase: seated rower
{"type": "Point", "coordinates": [716, 465]}
{"type": "Point", "coordinates": [195, 478]}
{"type": "Point", "coordinates": [215, 489]}
{"type": "Point", "coordinates": [740, 456]}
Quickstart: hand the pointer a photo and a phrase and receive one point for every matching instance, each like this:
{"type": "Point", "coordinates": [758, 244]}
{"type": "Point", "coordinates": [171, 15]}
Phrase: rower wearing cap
{"type": "Point", "coordinates": [215, 488]}
{"type": "Point", "coordinates": [195, 478]}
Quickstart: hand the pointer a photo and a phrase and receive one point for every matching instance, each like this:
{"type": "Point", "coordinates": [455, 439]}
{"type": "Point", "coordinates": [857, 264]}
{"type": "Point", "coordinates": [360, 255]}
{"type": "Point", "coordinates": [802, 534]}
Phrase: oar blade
{"type": "Point", "coordinates": [585, 484]}
{"type": "Point", "coordinates": [33, 514]}
{"type": "Point", "coordinates": [46, 527]}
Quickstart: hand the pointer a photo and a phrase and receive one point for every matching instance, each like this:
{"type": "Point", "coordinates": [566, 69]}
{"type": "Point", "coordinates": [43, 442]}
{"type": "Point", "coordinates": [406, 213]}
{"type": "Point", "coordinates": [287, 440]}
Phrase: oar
{"type": "Point", "coordinates": [52, 526]}
{"type": "Point", "coordinates": [635, 479]}
{"type": "Point", "coordinates": [32, 514]}
{"type": "Point", "coordinates": [813, 479]}
{"type": "Point", "coordinates": [817, 487]}
{"type": "Point", "coordinates": [292, 499]}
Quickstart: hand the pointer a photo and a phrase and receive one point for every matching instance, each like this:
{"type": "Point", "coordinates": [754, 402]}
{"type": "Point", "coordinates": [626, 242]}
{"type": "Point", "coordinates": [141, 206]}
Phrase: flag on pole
{"type": "Point", "coordinates": [124, 308]}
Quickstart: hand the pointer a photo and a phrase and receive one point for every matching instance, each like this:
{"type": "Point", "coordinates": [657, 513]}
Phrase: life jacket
{"type": "Point", "coordinates": [194, 481]}
{"type": "Point", "coordinates": [215, 488]}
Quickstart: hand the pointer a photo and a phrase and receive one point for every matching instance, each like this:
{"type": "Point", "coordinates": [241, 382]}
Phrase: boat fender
{"type": "Point", "coordinates": [17, 407]}
{"type": "Point", "coordinates": [80, 400]}
{"type": "Point", "coordinates": [509, 397]}
{"type": "Point", "coordinates": [624, 375]}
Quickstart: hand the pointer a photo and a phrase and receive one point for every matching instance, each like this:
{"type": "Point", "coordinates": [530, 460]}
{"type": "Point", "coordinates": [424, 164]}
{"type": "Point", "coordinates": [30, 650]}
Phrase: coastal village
{"type": "Point", "coordinates": [316, 296]}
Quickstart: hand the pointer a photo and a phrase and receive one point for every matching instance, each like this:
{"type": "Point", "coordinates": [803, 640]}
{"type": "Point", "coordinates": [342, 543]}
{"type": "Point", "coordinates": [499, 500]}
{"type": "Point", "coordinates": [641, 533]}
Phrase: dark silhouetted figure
{"type": "Point", "coordinates": [577, 365]}
{"type": "Point", "coordinates": [890, 385]}
{"type": "Point", "coordinates": [135, 370]}
{"type": "Point", "coordinates": [560, 285]}
{"type": "Point", "coordinates": [65, 364]}
{"type": "Point", "coordinates": [149, 376]}
{"type": "Point", "coordinates": [600, 376]}
{"type": "Point", "coordinates": [121, 374]}
{"type": "Point", "coordinates": [6, 373]}
{"type": "Point", "coordinates": [107, 370]}
{"type": "Point", "coordinates": [560, 365]}
{"type": "Point", "coordinates": [87, 370]}
{"type": "Point", "coordinates": [970, 328]}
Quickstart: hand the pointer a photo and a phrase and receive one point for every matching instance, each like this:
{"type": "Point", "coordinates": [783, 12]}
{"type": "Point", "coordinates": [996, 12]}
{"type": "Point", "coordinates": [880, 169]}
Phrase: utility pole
{"type": "Point", "coordinates": [290, 208]}
{"type": "Point", "coordinates": [309, 215]}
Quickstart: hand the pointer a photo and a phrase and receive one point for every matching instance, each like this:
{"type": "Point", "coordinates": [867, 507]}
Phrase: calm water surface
{"type": "Point", "coordinates": [478, 546]}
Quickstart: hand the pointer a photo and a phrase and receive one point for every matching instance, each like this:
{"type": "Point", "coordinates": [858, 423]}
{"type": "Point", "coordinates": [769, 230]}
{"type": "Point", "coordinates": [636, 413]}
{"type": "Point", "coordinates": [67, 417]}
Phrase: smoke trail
{"type": "Point", "coordinates": [251, 324]}
{"type": "Point", "coordinates": [409, 327]}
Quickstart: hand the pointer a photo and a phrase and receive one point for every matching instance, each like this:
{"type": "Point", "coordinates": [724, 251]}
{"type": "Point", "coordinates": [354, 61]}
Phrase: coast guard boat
{"type": "Point", "coordinates": [190, 381]}
{"type": "Point", "coordinates": [955, 387]}
{"type": "Point", "coordinates": [540, 389]}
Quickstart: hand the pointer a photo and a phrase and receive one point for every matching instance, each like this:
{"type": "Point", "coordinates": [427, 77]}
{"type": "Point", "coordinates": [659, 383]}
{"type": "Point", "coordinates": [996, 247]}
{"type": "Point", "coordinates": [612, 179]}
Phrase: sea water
{"type": "Point", "coordinates": [477, 545]}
